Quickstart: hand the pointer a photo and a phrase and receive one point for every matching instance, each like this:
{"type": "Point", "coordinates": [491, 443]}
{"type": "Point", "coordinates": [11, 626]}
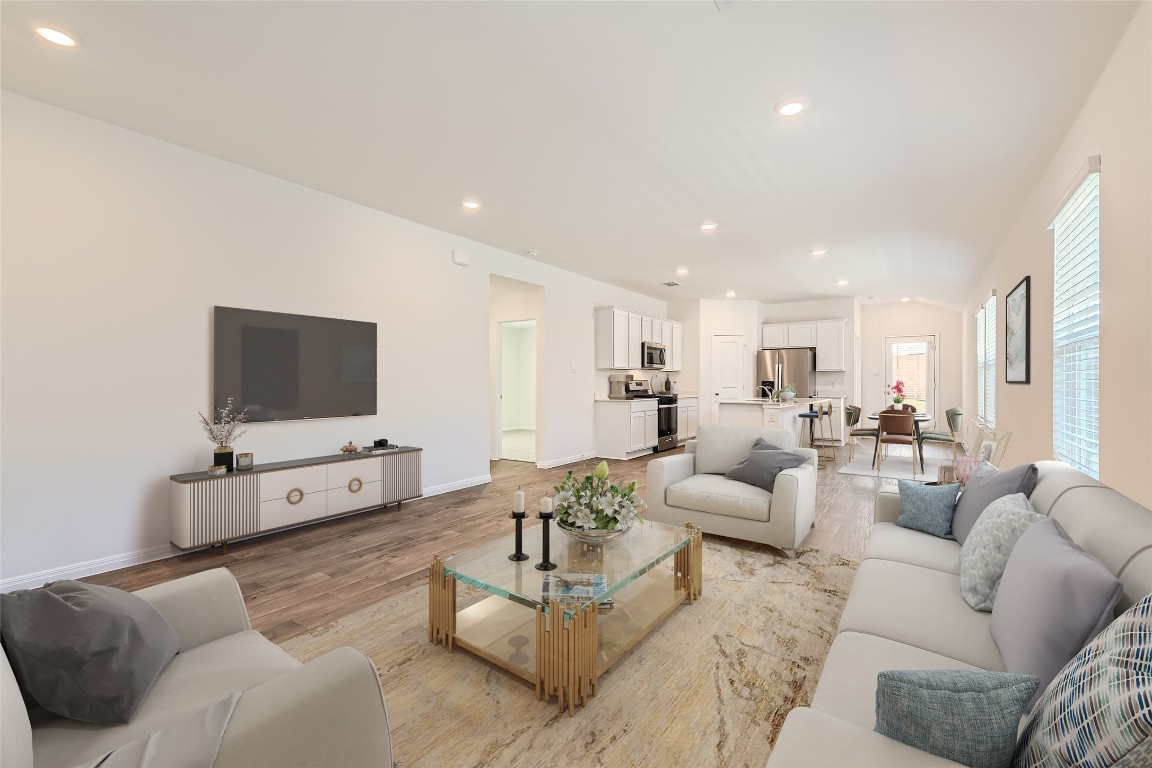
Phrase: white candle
{"type": "Point", "coordinates": [518, 501]}
{"type": "Point", "coordinates": [546, 505]}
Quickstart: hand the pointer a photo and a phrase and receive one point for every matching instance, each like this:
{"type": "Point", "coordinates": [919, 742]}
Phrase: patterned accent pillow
{"type": "Point", "coordinates": [985, 551]}
{"type": "Point", "coordinates": [1098, 710]}
{"type": "Point", "coordinates": [969, 716]}
{"type": "Point", "coordinates": [927, 508]}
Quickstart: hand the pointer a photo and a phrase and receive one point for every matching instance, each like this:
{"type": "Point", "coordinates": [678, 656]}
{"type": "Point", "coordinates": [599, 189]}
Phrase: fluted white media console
{"type": "Point", "coordinates": [215, 509]}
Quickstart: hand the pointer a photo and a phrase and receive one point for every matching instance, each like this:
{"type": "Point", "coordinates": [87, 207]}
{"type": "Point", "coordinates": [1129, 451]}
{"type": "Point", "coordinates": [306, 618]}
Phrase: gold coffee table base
{"type": "Point", "coordinates": [563, 655]}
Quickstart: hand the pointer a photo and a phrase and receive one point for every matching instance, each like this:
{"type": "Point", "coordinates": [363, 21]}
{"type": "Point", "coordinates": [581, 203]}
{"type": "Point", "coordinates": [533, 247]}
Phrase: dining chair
{"type": "Point", "coordinates": [953, 416]}
{"type": "Point", "coordinates": [902, 407]}
{"type": "Point", "coordinates": [896, 428]}
{"type": "Point", "coordinates": [852, 421]}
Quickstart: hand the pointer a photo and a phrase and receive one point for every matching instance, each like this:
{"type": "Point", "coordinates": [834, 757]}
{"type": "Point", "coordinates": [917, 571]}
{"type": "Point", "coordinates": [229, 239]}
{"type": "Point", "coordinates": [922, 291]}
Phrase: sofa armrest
{"type": "Point", "coordinates": [669, 471]}
{"type": "Point", "coordinates": [794, 503]}
{"type": "Point", "coordinates": [815, 740]}
{"type": "Point", "coordinates": [203, 607]}
{"type": "Point", "coordinates": [887, 506]}
{"type": "Point", "coordinates": [328, 712]}
{"type": "Point", "coordinates": [813, 458]}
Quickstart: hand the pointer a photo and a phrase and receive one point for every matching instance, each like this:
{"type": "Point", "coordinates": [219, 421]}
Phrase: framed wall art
{"type": "Point", "coordinates": [1017, 319]}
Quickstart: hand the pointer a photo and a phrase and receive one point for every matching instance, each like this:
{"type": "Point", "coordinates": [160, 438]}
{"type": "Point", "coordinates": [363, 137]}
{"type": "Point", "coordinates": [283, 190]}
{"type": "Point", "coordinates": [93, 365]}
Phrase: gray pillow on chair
{"type": "Point", "coordinates": [84, 651]}
{"type": "Point", "coordinates": [761, 466]}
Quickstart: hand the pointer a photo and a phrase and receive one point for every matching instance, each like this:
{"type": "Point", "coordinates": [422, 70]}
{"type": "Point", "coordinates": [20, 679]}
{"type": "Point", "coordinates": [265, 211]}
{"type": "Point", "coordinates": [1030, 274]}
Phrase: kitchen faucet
{"type": "Point", "coordinates": [767, 390]}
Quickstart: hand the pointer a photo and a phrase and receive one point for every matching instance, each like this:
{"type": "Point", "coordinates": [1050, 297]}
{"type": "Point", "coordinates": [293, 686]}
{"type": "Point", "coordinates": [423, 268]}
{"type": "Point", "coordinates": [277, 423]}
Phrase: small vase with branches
{"type": "Point", "coordinates": [225, 429]}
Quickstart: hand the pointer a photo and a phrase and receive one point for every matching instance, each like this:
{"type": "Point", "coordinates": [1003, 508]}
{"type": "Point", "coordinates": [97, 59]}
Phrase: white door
{"type": "Point", "coordinates": [912, 359]}
{"type": "Point", "coordinates": [729, 357]}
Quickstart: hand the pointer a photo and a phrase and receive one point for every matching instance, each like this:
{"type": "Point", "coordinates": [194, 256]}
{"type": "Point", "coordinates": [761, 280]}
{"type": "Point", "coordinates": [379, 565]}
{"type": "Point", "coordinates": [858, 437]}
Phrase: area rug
{"type": "Point", "coordinates": [709, 687]}
{"type": "Point", "coordinates": [897, 465]}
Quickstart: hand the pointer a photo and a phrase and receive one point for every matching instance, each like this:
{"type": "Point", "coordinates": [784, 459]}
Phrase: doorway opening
{"type": "Point", "coordinates": [912, 359]}
{"type": "Point", "coordinates": [518, 390]}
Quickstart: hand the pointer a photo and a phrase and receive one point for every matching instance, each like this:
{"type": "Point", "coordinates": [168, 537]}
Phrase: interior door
{"type": "Point", "coordinates": [729, 356]}
{"type": "Point", "coordinates": [912, 359]}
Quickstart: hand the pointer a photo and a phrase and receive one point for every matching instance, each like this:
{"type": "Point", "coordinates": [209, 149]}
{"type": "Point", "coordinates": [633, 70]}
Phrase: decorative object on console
{"type": "Point", "coordinates": [595, 510]}
{"type": "Point", "coordinates": [349, 449]}
{"type": "Point", "coordinates": [244, 462]}
{"type": "Point", "coordinates": [224, 430]}
{"type": "Point", "coordinates": [1017, 355]}
{"type": "Point", "coordinates": [217, 469]}
{"type": "Point", "coordinates": [545, 515]}
{"type": "Point", "coordinates": [519, 515]}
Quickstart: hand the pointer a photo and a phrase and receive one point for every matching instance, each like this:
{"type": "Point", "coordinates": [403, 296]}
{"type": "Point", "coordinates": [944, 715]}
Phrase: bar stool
{"type": "Point", "coordinates": [825, 447]}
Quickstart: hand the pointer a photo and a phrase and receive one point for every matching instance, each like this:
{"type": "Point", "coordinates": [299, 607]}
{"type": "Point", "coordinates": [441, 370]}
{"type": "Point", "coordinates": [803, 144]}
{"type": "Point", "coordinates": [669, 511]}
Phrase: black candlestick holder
{"type": "Point", "coordinates": [545, 564]}
{"type": "Point", "coordinates": [519, 517]}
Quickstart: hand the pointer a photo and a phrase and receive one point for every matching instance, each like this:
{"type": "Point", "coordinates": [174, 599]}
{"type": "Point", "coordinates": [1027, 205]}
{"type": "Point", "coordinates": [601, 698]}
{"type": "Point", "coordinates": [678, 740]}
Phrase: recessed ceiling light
{"type": "Point", "coordinates": [841, 282]}
{"type": "Point", "coordinates": [708, 226]}
{"type": "Point", "coordinates": [730, 294]}
{"type": "Point", "coordinates": [471, 205]}
{"type": "Point", "coordinates": [56, 36]}
{"type": "Point", "coordinates": [790, 107]}
{"type": "Point", "coordinates": [819, 252]}
{"type": "Point", "coordinates": [905, 298]}
{"type": "Point", "coordinates": [682, 271]}
{"type": "Point", "coordinates": [532, 254]}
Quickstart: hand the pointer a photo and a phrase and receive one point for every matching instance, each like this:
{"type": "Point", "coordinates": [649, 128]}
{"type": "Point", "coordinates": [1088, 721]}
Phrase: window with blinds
{"type": "Point", "coordinates": [1076, 329]}
{"type": "Point", "coordinates": [986, 362]}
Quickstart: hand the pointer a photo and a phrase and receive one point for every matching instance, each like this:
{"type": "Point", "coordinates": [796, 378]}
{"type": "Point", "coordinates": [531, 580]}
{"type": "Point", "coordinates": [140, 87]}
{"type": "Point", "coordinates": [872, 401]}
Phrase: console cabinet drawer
{"type": "Point", "coordinates": [277, 513]}
{"type": "Point", "coordinates": [346, 499]}
{"type": "Point", "coordinates": [276, 485]}
{"type": "Point", "coordinates": [364, 470]}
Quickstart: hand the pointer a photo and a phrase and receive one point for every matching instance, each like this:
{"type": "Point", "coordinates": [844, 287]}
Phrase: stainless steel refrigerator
{"type": "Point", "coordinates": [776, 368]}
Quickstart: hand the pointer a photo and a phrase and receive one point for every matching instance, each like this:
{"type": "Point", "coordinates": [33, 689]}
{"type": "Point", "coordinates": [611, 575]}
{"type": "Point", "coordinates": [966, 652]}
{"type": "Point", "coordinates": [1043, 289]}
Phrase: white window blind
{"type": "Point", "coordinates": [986, 362]}
{"type": "Point", "coordinates": [1076, 330]}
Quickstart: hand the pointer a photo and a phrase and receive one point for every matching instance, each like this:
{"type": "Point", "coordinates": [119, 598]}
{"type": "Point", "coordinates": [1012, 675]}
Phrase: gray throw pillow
{"type": "Point", "coordinates": [986, 552]}
{"type": "Point", "coordinates": [84, 651]}
{"type": "Point", "coordinates": [927, 508]}
{"type": "Point", "coordinates": [760, 467]}
{"type": "Point", "coordinates": [967, 716]}
{"type": "Point", "coordinates": [985, 486]}
{"type": "Point", "coordinates": [1053, 599]}
{"type": "Point", "coordinates": [763, 445]}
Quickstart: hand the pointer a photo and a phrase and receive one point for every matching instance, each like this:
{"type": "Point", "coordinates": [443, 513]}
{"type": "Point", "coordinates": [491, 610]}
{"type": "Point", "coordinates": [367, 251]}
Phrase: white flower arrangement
{"type": "Point", "coordinates": [594, 504]}
{"type": "Point", "coordinates": [226, 428]}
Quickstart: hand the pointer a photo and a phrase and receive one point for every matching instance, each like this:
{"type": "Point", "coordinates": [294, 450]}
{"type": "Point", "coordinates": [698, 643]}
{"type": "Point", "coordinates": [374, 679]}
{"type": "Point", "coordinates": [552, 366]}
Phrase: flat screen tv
{"type": "Point", "coordinates": [281, 367]}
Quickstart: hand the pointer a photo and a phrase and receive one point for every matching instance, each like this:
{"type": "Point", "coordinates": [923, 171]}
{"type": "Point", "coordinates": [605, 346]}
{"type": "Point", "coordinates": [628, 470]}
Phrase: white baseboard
{"type": "Point", "coordinates": [434, 490]}
{"type": "Point", "coordinates": [550, 463]}
{"type": "Point", "coordinates": [80, 570]}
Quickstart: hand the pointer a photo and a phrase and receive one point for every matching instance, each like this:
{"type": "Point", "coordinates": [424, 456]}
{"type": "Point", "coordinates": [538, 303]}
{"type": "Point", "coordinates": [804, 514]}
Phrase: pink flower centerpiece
{"type": "Point", "coordinates": [896, 391]}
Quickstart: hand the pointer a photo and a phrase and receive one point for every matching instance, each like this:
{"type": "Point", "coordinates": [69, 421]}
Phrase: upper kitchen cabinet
{"type": "Point", "coordinates": [780, 335]}
{"type": "Point", "coordinates": [674, 333]}
{"type": "Point", "coordinates": [619, 334]}
{"type": "Point", "coordinates": [830, 345]}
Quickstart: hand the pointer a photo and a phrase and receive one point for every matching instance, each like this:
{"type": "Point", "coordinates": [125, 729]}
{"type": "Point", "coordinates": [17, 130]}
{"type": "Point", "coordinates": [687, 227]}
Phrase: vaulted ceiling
{"type": "Point", "coordinates": [600, 135]}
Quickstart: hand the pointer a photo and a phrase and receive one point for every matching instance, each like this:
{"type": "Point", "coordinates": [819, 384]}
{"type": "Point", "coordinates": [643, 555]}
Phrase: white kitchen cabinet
{"type": "Point", "coordinates": [801, 334]}
{"type": "Point", "coordinates": [675, 346]}
{"type": "Point", "coordinates": [681, 423]}
{"type": "Point", "coordinates": [830, 345]}
{"type": "Point", "coordinates": [625, 429]}
{"type": "Point", "coordinates": [658, 331]}
{"type": "Point", "coordinates": [646, 332]}
{"type": "Point", "coordinates": [611, 338]}
{"type": "Point", "coordinates": [635, 359]}
{"type": "Point", "coordinates": [651, 429]}
{"type": "Point", "coordinates": [780, 335]}
{"type": "Point", "coordinates": [693, 420]}
{"type": "Point", "coordinates": [774, 336]}
{"type": "Point", "coordinates": [619, 334]}
{"type": "Point", "coordinates": [636, 436]}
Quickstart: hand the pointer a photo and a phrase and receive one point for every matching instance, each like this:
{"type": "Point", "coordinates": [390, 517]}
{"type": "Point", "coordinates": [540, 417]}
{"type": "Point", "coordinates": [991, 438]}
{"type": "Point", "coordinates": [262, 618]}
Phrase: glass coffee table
{"type": "Point", "coordinates": [563, 645]}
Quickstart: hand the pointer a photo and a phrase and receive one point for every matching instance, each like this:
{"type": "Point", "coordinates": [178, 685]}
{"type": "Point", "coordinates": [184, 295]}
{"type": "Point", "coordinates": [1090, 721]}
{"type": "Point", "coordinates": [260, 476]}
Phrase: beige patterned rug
{"type": "Point", "coordinates": [709, 687]}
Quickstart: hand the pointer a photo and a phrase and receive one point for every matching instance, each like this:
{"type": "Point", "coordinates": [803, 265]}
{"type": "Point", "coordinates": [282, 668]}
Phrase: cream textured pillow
{"type": "Point", "coordinates": [986, 550]}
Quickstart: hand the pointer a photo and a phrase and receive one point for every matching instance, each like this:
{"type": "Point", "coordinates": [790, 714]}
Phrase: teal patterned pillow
{"type": "Point", "coordinates": [967, 716]}
{"type": "Point", "coordinates": [1098, 710]}
{"type": "Point", "coordinates": [927, 508]}
{"type": "Point", "coordinates": [985, 551]}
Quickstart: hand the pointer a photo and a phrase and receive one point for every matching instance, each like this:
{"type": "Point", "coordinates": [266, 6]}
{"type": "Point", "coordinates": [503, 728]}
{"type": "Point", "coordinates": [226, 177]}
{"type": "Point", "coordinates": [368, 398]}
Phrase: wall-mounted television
{"type": "Point", "coordinates": [281, 367]}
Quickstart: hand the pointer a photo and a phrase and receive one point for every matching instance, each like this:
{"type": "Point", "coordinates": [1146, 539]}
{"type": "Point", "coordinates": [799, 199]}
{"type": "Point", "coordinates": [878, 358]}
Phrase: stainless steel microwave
{"type": "Point", "coordinates": [653, 355]}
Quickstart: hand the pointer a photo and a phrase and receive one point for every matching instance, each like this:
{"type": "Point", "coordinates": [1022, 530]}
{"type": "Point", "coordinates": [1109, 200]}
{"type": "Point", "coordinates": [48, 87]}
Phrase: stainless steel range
{"type": "Point", "coordinates": [667, 423]}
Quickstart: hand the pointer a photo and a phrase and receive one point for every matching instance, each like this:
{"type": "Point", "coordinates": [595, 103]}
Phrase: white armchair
{"type": "Point", "coordinates": [691, 487]}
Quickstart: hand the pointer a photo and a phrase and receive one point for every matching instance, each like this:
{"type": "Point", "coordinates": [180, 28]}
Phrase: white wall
{"type": "Point", "coordinates": [912, 318]}
{"type": "Point", "coordinates": [687, 312]}
{"type": "Point", "coordinates": [719, 317]}
{"type": "Point", "coordinates": [518, 376]}
{"type": "Point", "coordinates": [1115, 123]}
{"type": "Point", "coordinates": [116, 247]}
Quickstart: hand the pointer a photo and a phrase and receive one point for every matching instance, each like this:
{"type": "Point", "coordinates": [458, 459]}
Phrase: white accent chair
{"type": "Point", "coordinates": [691, 487]}
{"type": "Point", "coordinates": [328, 712]}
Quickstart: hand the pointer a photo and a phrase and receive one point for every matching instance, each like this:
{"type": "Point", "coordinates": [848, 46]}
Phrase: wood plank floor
{"type": "Point", "coordinates": [298, 580]}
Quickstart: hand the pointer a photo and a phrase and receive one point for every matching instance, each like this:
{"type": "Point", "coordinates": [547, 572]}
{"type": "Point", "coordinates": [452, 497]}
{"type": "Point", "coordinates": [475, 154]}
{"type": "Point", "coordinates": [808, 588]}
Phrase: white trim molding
{"type": "Point", "coordinates": [435, 490]}
{"type": "Point", "coordinates": [90, 568]}
{"type": "Point", "coordinates": [550, 463]}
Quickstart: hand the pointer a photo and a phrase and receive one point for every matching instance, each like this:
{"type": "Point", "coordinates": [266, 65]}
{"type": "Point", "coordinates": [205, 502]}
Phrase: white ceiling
{"type": "Point", "coordinates": [601, 134]}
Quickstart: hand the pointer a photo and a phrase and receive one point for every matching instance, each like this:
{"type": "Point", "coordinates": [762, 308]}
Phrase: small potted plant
{"type": "Point", "coordinates": [224, 430]}
{"type": "Point", "coordinates": [787, 392]}
{"type": "Point", "coordinates": [897, 392]}
{"type": "Point", "coordinates": [594, 510]}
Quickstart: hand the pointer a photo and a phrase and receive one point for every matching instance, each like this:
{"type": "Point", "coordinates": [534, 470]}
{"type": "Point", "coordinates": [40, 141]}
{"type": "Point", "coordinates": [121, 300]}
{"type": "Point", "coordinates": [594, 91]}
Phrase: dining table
{"type": "Point", "coordinates": [917, 420]}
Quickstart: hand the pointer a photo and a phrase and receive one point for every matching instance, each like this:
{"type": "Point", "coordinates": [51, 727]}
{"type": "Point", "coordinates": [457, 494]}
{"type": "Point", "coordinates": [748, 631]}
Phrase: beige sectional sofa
{"type": "Point", "coordinates": [905, 611]}
{"type": "Point", "coordinates": [328, 712]}
{"type": "Point", "coordinates": [691, 487]}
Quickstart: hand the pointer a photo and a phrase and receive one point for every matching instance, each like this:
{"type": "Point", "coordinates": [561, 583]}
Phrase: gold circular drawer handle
{"type": "Point", "coordinates": [355, 484]}
{"type": "Point", "coordinates": [295, 496]}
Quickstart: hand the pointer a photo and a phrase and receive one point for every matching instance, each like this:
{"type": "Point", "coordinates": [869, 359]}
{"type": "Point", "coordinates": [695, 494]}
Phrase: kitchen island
{"type": "Point", "coordinates": [762, 413]}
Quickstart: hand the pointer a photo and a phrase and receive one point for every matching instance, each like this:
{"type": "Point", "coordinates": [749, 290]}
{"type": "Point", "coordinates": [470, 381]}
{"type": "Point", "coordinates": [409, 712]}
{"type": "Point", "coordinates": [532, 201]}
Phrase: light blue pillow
{"type": "Point", "coordinates": [967, 716]}
{"type": "Point", "coordinates": [927, 508]}
{"type": "Point", "coordinates": [986, 550]}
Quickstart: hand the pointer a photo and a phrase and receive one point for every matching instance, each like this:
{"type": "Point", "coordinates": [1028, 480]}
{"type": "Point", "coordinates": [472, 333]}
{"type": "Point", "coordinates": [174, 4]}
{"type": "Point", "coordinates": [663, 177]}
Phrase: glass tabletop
{"type": "Point", "coordinates": [594, 572]}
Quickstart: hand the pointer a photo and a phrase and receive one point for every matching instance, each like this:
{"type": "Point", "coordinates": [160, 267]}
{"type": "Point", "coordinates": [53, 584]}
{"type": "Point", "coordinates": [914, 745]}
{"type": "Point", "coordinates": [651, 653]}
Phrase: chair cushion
{"type": "Point", "coordinates": [85, 651]}
{"type": "Point", "coordinates": [720, 447]}
{"type": "Point", "coordinates": [985, 553]}
{"type": "Point", "coordinates": [887, 541]}
{"type": "Point", "coordinates": [985, 485]}
{"type": "Point", "coordinates": [720, 496]}
{"type": "Point", "coordinates": [927, 508]}
{"type": "Point", "coordinates": [1053, 599]}
{"type": "Point", "coordinates": [969, 716]}
{"type": "Point", "coordinates": [193, 680]}
{"type": "Point", "coordinates": [1097, 710]}
{"type": "Point", "coordinates": [944, 436]}
{"type": "Point", "coordinates": [761, 465]}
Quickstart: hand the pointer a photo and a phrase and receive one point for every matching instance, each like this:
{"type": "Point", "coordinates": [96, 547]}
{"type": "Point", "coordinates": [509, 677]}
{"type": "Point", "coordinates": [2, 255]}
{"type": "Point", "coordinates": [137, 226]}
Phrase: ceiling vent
{"type": "Point", "coordinates": [671, 284]}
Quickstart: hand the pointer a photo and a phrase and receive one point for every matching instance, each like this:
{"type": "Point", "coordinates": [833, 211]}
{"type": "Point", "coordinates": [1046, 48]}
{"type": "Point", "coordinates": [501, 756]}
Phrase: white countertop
{"type": "Point", "coordinates": [795, 402]}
